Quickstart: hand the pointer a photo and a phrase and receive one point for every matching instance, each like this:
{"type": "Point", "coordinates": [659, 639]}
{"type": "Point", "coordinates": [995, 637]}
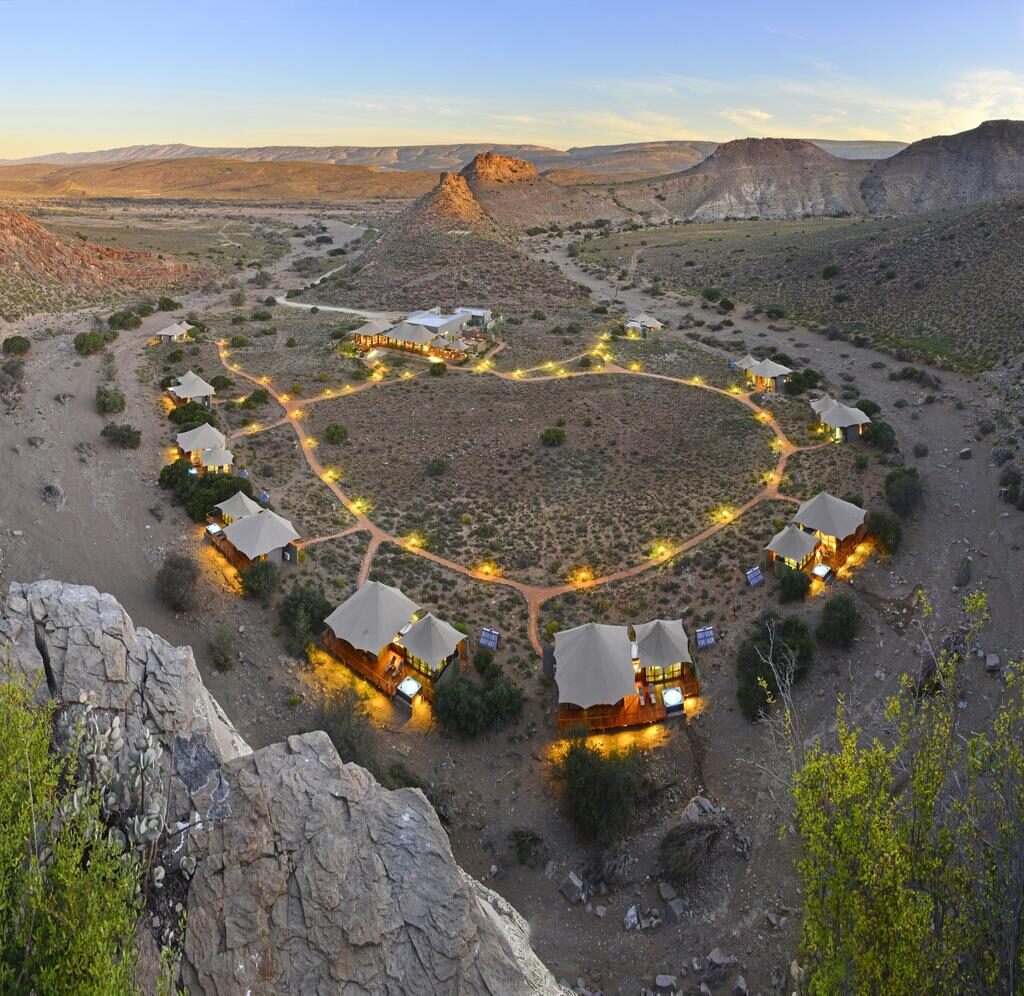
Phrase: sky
{"type": "Point", "coordinates": [83, 76]}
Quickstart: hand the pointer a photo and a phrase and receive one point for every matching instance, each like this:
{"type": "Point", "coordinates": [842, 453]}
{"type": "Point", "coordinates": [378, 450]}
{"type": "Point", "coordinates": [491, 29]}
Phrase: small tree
{"type": "Point", "coordinates": [436, 467]}
{"type": "Point", "coordinates": [121, 320]}
{"type": "Point", "coordinates": [260, 580]}
{"type": "Point", "coordinates": [176, 582]}
{"type": "Point", "coordinates": [122, 434]}
{"type": "Point", "coordinates": [903, 489]}
{"type": "Point", "coordinates": [886, 528]}
{"type": "Point", "coordinates": [109, 400]}
{"type": "Point", "coordinates": [302, 612]}
{"type": "Point", "coordinates": [793, 585]}
{"type": "Point", "coordinates": [88, 343]}
{"type": "Point", "coordinates": [222, 648]}
{"type": "Point", "coordinates": [16, 345]}
{"type": "Point", "coordinates": [602, 791]}
{"type": "Point", "coordinates": [438, 369]}
{"type": "Point", "coordinates": [256, 399]}
{"type": "Point", "coordinates": [167, 304]}
{"type": "Point", "coordinates": [336, 433]}
{"type": "Point", "coordinates": [840, 622]}
{"type": "Point", "coordinates": [881, 435]}
{"type": "Point", "coordinates": [553, 435]}
{"type": "Point", "coordinates": [830, 271]}
{"type": "Point", "coordinates": [868, 407]}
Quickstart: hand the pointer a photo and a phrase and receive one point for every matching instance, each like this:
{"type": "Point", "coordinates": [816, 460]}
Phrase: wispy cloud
{"type": "Point", "coordinates": [746, 117]}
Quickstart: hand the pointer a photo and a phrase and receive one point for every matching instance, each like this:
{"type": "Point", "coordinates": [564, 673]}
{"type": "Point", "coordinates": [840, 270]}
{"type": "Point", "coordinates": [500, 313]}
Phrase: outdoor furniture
{"type": "Point", "coordinates": [640, 692]}
{"type": "Point", "coordinates": [650, 693]}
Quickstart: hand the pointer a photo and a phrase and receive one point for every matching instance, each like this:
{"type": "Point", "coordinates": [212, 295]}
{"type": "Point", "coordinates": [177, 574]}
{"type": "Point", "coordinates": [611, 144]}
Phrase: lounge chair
{"type": "Point", "coordinates": [640, 692]}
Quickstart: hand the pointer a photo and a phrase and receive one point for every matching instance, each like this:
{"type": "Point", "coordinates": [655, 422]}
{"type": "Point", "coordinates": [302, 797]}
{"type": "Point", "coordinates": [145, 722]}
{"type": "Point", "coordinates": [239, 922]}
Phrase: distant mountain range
{"type": "Point", "coordinates": [647, 158]}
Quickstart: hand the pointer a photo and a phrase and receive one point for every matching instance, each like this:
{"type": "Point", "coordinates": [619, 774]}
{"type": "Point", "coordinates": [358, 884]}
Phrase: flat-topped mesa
{"type": "Point", "coordinates": [764, 152]}
{"type": "Point", "coordinates": [493, 167]}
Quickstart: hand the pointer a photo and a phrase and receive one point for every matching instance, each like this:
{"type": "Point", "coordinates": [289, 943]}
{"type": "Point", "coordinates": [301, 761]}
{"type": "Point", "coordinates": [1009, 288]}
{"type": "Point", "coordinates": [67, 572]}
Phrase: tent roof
{"type": "Point", "coordinates": [661, 642]}
{"type": "Point", "coordinates": [371, 617]}
{"type": "Point", "coordinates": [373, 327]}
{"type": "Point", "coordinates": [216, 456]}
{"type": "Point", "coordinates": [839, 416]}
{"type": "Point", "coordinates": [202, 437]}
{"type": "Point", "coordinates": [191, 385]}
{"type": "Point", "coordinates": [593, 665]}
{"type": "Point", "coordinates": [258, 534]}
{"type": "Point", "coordinates": [238, 506]}
{"type": "Point", "coordinates": [429, 319]}
{"type": "Point", "coordinates": [175, 328]}
{"type": "Point", "coordinates": [822, 404]}
{"type": "Point", "coordinates": [417, 334]}
{"type": "Point", "coordinates": [769, 368]}
{"type": "Point", "coordinates": [747, 362]}
{"type": "Point", "coordinates": [644, 320]}
{"type": "Point", "coordinates": [793, 544]}
{"type": "Point", "coordinates": [432, 640]}
{"type": "Point", "coordinates": [830, 516]}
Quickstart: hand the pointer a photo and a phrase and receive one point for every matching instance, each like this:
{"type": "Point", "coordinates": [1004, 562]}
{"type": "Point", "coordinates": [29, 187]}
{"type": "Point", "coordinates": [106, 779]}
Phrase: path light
{"type": "Point", "coordinates": [264, 379]}
{"type": "Point", "coordinates": [298, 413]}
{"type": "Point", "coordinates": [311, 442]}
{"type": "Point", "coordinates": [254, 426]}
{"type": "Point", "coordinates": [549, 365]}
{"type": "Point", "coordinates": [330, 475]}
{"type": "Point", "coordinates": [286, 397]}
{"type": "Point", "coordinates": [635, 366]}
{"type": "Point", "coordinates": [724, 514]}
{"type": "Point", "coordinates": [697, 381]}
{"type": "Point", "coordinates": [406, 375]}
{"type": "Point", "coordinates": [489, 569]}
{"type": "Point", "coordinates": [775, 445]}
{"type": "Point", "coordinates": [660, 550]}
{"type": "Point", "coordinates": [562, 372]}
{"type": "Point", "coordinates": [347, 388]}
{"type": "Point", "coordinates": [361, 506]}
{"type": "Point", "coordinates": [769, 477]}
{"type": "Point", "coordinates": [735, 389]}
{"type": "Point", "coordinates": [414, 541]}
{"type": "Point", "coordinates": [581, 575]}
{"type": "Point", "coordinates": [763, 417]}
{"type": "Point", "coordinates": [517, 374]}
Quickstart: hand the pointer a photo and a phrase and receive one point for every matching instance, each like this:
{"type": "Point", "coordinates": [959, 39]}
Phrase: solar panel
{"type": "Point", "coordinates": [705, 636]}
{"type": "Point", "coordinates": [489, 638]}
{"type": "Point", "coordinates": [755, 577]}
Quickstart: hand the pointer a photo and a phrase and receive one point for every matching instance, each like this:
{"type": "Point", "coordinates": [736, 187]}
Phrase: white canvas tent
{"type": "Point", "coordinates": [202, 437]}
{"type": "Point", "coordinates": [238, 506]}
{"type": "Point", "coordinates": [643, 321]}
{"type": "Point", "coordinates": [593, 665]}
{"type": "Point", "coordinates": [216, 456]}
{"type": "Point", "coordinates": [662, 642]}
{"type": "Point", "coordinates": [432, 640]}
{"type": "Point", "coordinates": [841, 416]}
{"type": "Point", "coordinates": [371, 617]}
{"type": "Point", "coordinates": [191, 386]}
{"type": "Point", "coordinates": [830, 516]}
{"type": "Point", "coordinates": [822, 404]}
{"type": "Point", "coordinates": [793, 545]}
{"type": "Point", "coordinates": [175, 332]}
{"type": "Point", "coordinates": [260, 534]}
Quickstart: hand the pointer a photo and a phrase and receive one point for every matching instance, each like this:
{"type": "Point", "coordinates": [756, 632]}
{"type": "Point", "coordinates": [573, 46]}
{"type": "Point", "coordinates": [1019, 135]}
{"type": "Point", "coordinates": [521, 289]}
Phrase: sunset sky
{"type": "Point", "coordinates": [86, 76]}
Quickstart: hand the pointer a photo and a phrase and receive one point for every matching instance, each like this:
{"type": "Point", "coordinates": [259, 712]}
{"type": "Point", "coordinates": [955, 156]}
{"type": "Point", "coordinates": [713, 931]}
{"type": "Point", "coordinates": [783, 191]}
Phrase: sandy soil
{"type": "Point", "coordinates": [104, 534]}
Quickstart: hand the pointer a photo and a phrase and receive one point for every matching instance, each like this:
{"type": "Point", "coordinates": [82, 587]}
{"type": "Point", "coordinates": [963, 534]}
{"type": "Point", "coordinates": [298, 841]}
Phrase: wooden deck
{"type": "Point", "coordinates": [628, 712]}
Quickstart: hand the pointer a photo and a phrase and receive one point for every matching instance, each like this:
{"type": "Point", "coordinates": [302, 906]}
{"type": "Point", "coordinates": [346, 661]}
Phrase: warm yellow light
{"type": "Point", "coordinates": [361, 506]}
{"type": "Point", "coordinates": [414, 541]}
{"type": "Point", "coordinates": [735, 389]}
{"type": "Point", "coordinates": [331, 474]}
{"type": "Point", "coordinates": [348, 387]}
{"type": "Point", "coordinates": [264, 379]}
{"type": "Point", "coordinates": [633, 334]}
{"type": "Point", "coordinates": [311, 442]}
{"type": "Point", "coordinates": [549, 365]}
{"type": "Point", "coordinates": [660, 550]}
{"type": "Point", "coordinates": [285, 397]}
{"type": "Point", "coordinates": [406, 375]}
{"type": "Point", "coordinates": [581, 575]}
{"type": "Point", "coordinates": [697, 381]}
{"type": "Point", "coordinates": [517, 373]}
{"type": "Point", "coordinates": [724, 514]}
{"type": "Point", "coordinates": [254, 427]}
{"type": "Point", "coordinates": [489, 569]}
{"type": "Point", "coordinates": [636, 366]}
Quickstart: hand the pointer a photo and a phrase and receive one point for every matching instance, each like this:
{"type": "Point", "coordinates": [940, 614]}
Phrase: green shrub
{"type": "Point", "coordinates": [202, 493]}
{"type": "Point", "coordinates": [485, 664]}
{"type": "Point", "coordinates": [291, 342]}
{"type": "Point", "coordinates": [711, 294]}
{"type": "Point", "coordinates": [438, 369]}
{"type": "Point", "coordinates": [176, 582]}
{"type": "Point", "coordinates": [881, 435]}
{"type": "Point", "coordinates": [167, 304]}
{"type": "Point", "coordinates": [109, 400]}
{"type": "Point", "coordinates": [920, 450]}
{"type": "Point", "coordinates": [302, 612]}
{"type": "Point", "coordinates": [343, 716]}
{"type": "Point", "coordinates": [886, 528]}
{"type": "Point", "coordinates": [222, 648]}
{"type": "Point", "coordinates": [67, 888]}
{"type": "Point", "coordinates": [868, 407]}
{"type": "Point", "coordinates": [87, 343]}
{"type": "Point", "coordinates": [793, 585]}
{"type": "Point", "coordinates": [840, 622]}
{"type": "Point", "coordinates": [16, 345]}
{"type": "Point", "coordinates": [792, 636]}
{"type": "Point", "coordinates": [602, 791]}
{"type": "Point", "coordinates": [685, 849]}
{"type": "Point", "coordinates": [553, 435]}
{"type": "Point", "coordinates": [336, 433]}
{"type": "Point", "coordinates": [903, 489]}
{"type": "Point", "coordinates": [192, 414]}
{"type": "Point", "coordinates": [257, 399]}
{"type": "Point", "coordinates": [538, 315]}
{"type": "Point", "coordinates": [436, 467]}
{"type": "Point", "coordinates": [801, 381]}
{"type": "Point", "coordinates": [238, 341]}
{"type": "Point", "coordinates": [467, 707]}
{"type": "Point", "coordinates": [221, 382]}
{"type": "Point", "coordinates": [725, 304]}
{"type": "Point", "coordinates": [122, 434]}
{"type": "Point", "coordinates": [121, 320]}
{"type": "Point", "coordinates": [260, 580]}
{"type": "Point", "coordinates": [830, 271]}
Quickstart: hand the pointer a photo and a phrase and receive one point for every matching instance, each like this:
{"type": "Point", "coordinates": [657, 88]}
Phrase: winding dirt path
{"type": "Point", "coordinates": [534, 595]}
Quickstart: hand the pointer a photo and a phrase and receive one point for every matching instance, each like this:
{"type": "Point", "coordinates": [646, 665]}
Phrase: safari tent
{"type": "Point", "coordinates": [202, 437]}
{"type": "Point", "coordinates": [768, 375]}
{"type": "Point", "coordinates": [792, 547]}
{"type": "Point", "coordinates": [191, 387]}
{"type": "Point", "coordinates": [643, 323]}
{"type": "Point", "coordinates": [238, 506]}
{"type": "Point", "coordinates": [843, 422]}
{"type": "Point", "coordinates": [837, 525]}
{"type": "Point", "coordinates": [265, 535]}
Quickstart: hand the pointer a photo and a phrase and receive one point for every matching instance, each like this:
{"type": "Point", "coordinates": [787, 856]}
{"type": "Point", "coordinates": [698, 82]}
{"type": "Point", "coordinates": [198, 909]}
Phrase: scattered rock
{"type": "Point", "coordinates": [600, 912]}
{"type": "Point", "coordinates": [993, 664]}
{"type": "Point", "coordinates": [631, 921]}
{"type": "Point", "coordinates": [157, 511]}
{"type": "Point", "coordinates": [675, 911]}
{"type": "Point", "coordinates": [53, 494]}
{"type": "Point", "coordinates": [36, 441]}
{"type": "Point", "coordinates": [572, 888]}
{"type": "Point", "coordinates": [963, 572]}
{"type": "Point", "coordinates": [966, 453]}
{"type": "Point", "coordinates": [740, 989]}
{"type": "Point", "coordinates": [665, 983]}
{"type": "Point", "coordinates": [720, 959]}
{"type": "Point", "coordinates": [63, 398]}
{"type": "Point", "coordinates": [666, 891]}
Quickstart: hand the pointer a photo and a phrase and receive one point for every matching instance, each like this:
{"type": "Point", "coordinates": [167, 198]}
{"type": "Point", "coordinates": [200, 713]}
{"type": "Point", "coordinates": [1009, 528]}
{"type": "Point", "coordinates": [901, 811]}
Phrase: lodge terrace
{"type": "Point", "coordinates": [430, 333]}
{"type": "Point", "coordinates": [386, 638]}
{"type": "Point", "coordinates": [607, 681]}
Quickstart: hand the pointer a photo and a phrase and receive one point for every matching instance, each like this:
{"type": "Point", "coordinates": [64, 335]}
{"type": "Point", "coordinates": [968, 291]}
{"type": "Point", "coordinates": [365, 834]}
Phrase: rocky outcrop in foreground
{"type": "Point", "coordinates": [311, 877]}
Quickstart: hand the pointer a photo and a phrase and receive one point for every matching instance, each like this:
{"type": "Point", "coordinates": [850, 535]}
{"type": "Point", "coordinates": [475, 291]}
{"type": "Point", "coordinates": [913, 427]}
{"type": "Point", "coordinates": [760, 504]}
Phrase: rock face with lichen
{"type": "Point", "coordinates": [311, 877]}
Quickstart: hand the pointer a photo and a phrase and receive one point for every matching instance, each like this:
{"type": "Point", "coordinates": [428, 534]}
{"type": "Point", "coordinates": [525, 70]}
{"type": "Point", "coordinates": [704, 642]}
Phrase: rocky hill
{"type": "Point", "coordinates": [751, 178]}
{"type": "Point", "coordinates": [310, 877]}
{"type": "Point", "coordinates": [212, 179]}
{"type": "Point", "coordinates": [515, 195]}
{"type": "Point", "coordinates": [982, 164]}
{"type": "Point", "coordinates": [447, 247]}
{"type": "Point", "coordinates": [40, 271]}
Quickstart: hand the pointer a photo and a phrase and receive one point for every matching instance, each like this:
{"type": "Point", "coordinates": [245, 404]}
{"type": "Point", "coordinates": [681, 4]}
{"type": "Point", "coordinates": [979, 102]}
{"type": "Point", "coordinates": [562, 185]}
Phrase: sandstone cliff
{"type": "Point", "coordinates": [311, 878]}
